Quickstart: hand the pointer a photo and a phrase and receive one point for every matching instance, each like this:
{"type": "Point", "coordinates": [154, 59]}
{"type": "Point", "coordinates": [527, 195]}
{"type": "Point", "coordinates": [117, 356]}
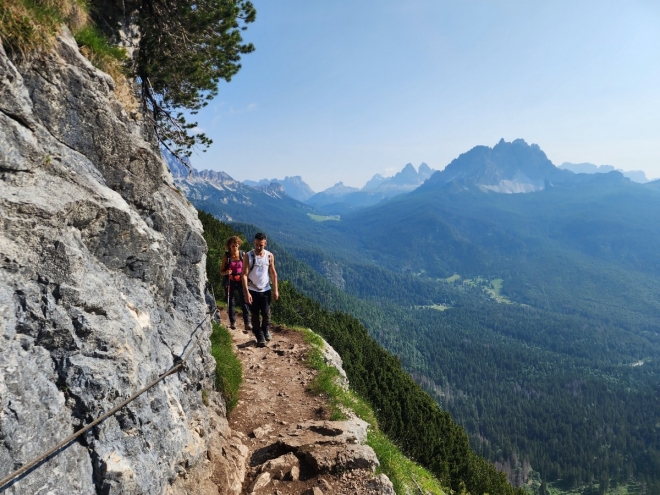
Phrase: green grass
{"type": "Point", "coordinates": [494, 291]}
{"type": "Point", "coordinates": [406, 476]}
{"type": "Point", "coordinates": [228, 370]}
{"type": "Point", "coordinates": [323, 218]}
{"type": "Point", "coordinates": [27, 26]}
{"type": "Point", "coordinates": [30, 26]}
{"type": "Point", "coordinates": [101, 51]}
{"type": "Point", "coordinates": [454, 278]}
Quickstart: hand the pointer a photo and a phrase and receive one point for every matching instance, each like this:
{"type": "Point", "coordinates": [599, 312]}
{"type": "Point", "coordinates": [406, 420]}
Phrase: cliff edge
{"type": "Point", "coordinates": [102, 276]}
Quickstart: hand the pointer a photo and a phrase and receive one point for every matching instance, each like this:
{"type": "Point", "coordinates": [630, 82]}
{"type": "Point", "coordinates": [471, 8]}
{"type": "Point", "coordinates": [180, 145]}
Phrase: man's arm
{"type": "Point", "coordinates": [246, 272]}
{"type": "Point", "coordinates": [273, 277]}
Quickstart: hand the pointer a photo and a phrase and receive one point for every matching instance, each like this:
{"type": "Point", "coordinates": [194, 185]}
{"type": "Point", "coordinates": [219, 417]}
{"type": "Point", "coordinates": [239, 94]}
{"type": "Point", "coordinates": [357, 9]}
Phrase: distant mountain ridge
{"type": "Point", "coordinates": [589, 168]}
{"type": "Point", "coordinates": [552, 291]}
{"type": "Point", "coordinates": [294, 186]}
{"type": "Point", "coordinates": [339, 198]}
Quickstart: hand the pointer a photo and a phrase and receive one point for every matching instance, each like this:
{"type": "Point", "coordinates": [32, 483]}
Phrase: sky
{"type": "Point", "coordinates": [340, 90]}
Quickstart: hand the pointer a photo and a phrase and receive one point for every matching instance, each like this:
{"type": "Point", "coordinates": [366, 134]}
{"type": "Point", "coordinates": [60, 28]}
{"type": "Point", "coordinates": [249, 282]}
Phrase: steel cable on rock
{"type": "Point", "coordinates": [179, 365]}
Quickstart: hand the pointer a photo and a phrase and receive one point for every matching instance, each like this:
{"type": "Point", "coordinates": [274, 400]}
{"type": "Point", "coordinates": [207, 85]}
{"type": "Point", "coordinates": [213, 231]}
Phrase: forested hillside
{"type": "Point", "coordinates": [405, 413]}
{"type": "Point", "coordinates": [532, 318]}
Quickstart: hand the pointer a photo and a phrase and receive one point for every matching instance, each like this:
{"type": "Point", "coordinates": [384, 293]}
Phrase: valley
{"type": "Point", "coordinates": [521, 314]}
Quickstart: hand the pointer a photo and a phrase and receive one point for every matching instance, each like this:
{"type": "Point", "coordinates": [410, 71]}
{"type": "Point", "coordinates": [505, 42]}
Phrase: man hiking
{"type": "Point", "coordinates": [231, 268]}
{"type": "Point", "coordinates": [258, 273]}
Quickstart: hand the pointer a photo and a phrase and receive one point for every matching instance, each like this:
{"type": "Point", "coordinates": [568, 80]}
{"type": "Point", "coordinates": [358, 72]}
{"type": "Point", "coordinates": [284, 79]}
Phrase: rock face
{"type": "Point", "coordinates": [101, 286]}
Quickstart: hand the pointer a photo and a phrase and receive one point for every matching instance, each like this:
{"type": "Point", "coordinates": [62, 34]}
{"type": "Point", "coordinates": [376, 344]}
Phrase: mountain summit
{"type": "Point", "coordinates": [294, 186]}
{"type": "Point", "coordinates": [340, 199]}
{"type": "Point", "coordinates": [514, 167]}
{"type": "Point", "coordinates": [404, 181]}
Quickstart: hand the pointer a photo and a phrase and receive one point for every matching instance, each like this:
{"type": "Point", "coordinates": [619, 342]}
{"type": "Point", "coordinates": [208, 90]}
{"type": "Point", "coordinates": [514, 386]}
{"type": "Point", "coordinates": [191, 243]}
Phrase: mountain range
{"type": "Point", "coordinates": [590, 168]}
{"type": "Point", "coordinates": [293, 186]}
{"type": "Point", "coordinates": [340, 199]}
{"type": "Point", "coordinates": [522, 296]}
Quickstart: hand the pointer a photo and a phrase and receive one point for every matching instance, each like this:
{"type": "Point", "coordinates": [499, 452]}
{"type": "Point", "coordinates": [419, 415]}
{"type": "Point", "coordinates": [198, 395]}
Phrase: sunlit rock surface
{"type": "Point", "coordinates": [102, 275]}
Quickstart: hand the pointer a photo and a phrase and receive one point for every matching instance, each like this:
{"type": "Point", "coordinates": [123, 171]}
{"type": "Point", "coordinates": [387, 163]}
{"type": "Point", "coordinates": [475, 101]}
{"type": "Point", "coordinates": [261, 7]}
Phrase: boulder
{"type": "Point", "coordinates": [330, 446]}
{"type": "Point", "coordinates": [283, 467]}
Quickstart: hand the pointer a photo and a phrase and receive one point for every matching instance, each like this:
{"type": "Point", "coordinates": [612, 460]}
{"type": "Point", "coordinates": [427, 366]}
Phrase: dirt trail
{"type": "Point", "coordinates": [274, 401]}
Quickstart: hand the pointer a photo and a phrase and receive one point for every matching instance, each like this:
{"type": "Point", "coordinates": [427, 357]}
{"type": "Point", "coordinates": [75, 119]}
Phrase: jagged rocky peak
{"type": "Point", "coordinates": [425, 171]}
{"type": "Point", "coordinates": [274, 189]}
{"type": "Point", "coordinates": [508, 167]}
{"type": "Point", "coordinates": [294, 186]}
{"type": "Point", "coordinates": [405, 180]}
{"type": "Point", "coordinates": [374, 182]}
{"type": "Point", "coordinates": [102, 277]}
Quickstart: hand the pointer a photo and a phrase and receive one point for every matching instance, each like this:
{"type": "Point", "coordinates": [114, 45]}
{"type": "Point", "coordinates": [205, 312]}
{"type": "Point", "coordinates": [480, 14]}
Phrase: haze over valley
{"type": "Point", "coordinates": [521, 295]}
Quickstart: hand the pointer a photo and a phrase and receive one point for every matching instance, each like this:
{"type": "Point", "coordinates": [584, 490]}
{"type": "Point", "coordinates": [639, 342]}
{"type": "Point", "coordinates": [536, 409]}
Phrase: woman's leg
{"type": "Point", "coordinates": [244, 306]}
{"type": "Point", "coordinates": [231, 309]}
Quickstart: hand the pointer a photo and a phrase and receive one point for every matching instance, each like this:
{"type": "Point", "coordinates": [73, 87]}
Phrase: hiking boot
{"type": "Point", "coordinates": [261, 342]}
{"type": "Point", "coordinates": [267, 335]}
{"type": "Point", "coordinates": [248, 325]}
{"type": "Point", "coordinates": [232, 325]}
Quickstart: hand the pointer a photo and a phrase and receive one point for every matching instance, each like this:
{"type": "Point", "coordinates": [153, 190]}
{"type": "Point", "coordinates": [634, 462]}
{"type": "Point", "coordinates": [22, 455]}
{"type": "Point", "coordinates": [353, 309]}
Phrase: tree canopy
{"type": "Point", "coordinates": [180, 50]}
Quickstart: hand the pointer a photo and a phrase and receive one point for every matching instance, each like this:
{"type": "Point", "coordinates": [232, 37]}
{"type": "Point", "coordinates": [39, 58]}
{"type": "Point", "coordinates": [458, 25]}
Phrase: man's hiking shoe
{"type": "Point", "coordinates": [248, 325]}
{"type": "Point", "coordinates": [261, 342]}
{"type": "Point", "coordinates": [232, 326]}
{"type": "Point", "coordinates": [267, 335]}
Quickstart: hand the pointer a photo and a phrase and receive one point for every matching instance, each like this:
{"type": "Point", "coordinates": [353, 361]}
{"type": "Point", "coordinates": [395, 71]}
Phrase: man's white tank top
{"type": "Point", "coordinates": [258, 277]}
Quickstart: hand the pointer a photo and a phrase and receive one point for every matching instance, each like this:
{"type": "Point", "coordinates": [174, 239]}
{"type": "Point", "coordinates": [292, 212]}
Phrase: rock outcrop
{"type": "Point", "coordinates": [102, 276]}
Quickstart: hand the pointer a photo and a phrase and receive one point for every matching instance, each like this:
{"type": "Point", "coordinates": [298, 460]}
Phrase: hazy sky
{"type": "Point", "coordinates": [339, 90]}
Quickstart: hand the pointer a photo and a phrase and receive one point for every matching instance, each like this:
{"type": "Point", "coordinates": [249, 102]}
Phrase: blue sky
{"type": "Point", "coordinates": [339, 90]}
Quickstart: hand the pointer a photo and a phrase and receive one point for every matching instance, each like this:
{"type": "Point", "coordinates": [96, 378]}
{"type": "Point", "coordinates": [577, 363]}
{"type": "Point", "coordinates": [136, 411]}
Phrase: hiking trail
{"type": "Point", "coordinates": [293, 447]}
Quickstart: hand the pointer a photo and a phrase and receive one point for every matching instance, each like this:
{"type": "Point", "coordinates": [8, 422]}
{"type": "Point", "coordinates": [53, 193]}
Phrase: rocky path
{"type": "Point", "coordinates": [293, 448]}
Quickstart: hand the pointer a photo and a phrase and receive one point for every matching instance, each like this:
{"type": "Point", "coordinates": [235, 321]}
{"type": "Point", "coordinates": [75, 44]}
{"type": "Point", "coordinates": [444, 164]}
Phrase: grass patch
{"type": "Point", "coordinates": [406, 476]}
{"type": "Point", "coordinates": [454, 278]}
{"type": "Point", "coordinates": [28, 26]}
{"type": "Point", "coordinates": [494, 291]}
{"type": "Point", "coordinates": [111, 60]}
{"type": "Point", "coordinates": [228, 370]}
{"type": "Point", "coordinates": [323, 218]}
{"type": "Point", "coordinates": [94, 45]}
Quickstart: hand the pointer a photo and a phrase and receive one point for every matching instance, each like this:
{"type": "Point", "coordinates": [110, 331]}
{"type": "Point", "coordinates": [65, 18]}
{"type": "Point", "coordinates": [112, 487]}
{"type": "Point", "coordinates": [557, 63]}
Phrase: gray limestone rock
{"type": "Point", "coordinates": [382, 484]}
{"type": "Point", "coordinates": [260, 481]}
{"type": "Point", "coordinates": [102, 275]}
{"type": "Point", "coordinates": [332, 358]}
{"type": "Point", "coordinates": [331, 446]}
{"type": "Point", "coordinates": [284, 467]}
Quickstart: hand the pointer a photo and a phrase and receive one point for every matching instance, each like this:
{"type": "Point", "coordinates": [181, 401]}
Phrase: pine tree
{"type": "Point", "coordinates": [182, 50]}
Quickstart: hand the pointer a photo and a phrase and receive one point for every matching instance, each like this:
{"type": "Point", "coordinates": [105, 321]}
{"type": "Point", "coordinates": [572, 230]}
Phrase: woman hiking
{"type": "Point", "coordinates": [232, 268]}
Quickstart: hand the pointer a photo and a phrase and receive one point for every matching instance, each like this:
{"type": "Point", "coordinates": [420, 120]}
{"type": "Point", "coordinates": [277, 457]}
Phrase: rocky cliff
{"type": "Point", "coordinates": [101, 286]}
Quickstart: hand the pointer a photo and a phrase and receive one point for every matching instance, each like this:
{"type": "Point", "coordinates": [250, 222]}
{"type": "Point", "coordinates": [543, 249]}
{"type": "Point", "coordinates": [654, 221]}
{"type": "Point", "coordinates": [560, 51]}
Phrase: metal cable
{"type": "Point", "coordinates": [176, 367]}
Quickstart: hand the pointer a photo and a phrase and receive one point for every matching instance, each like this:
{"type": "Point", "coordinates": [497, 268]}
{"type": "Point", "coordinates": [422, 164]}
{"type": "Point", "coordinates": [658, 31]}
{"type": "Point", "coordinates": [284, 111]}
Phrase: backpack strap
{"type": "Point", "coordinates": [252, 258]}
